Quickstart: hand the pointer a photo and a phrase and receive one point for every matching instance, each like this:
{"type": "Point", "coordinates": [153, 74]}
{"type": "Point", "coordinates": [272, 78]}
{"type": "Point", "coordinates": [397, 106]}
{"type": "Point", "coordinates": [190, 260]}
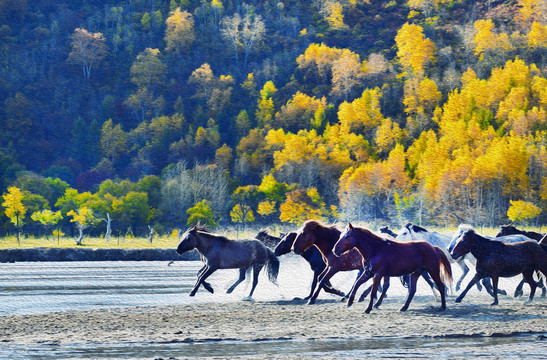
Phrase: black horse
{"type": "Point", "coordinates": [512, 230]}
{"type": "Point", "coordinates": [497, 259]}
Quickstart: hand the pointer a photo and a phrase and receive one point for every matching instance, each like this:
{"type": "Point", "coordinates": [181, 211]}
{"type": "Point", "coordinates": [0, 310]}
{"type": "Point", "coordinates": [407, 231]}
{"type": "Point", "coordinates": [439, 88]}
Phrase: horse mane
{"type": "Point", "coordinates": [465, 228]}
{"type": "Point", "coordinates": [372, 233]}
{"type": "Point", "coordinates": [203, 229]}
{"type": "Point", "coordinates": [315, 224]}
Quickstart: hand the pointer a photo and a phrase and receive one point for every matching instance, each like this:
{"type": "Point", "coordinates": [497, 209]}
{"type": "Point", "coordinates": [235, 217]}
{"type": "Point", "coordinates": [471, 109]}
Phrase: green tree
{"type": "Point", "coordinates": [47, 218]}
{"type": "Point", "coordinates": [201, 213]}
{"type": "Point", "coordinates": [148, 70]}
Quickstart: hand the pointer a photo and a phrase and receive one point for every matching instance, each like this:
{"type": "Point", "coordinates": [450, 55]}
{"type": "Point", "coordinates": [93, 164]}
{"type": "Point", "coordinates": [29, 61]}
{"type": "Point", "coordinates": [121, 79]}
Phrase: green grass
{"type": "Point", "coordinates": [164, 241]}
{"type": "Point", "coordinates": [169, 241]}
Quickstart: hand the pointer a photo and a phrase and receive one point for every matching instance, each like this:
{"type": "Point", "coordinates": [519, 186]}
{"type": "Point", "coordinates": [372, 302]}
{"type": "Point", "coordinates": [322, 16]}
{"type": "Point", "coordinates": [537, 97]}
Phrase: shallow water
{"type": "Point", "coordinates": [517, 347]}
{"type": "Point", "coordinates": [34, 288]}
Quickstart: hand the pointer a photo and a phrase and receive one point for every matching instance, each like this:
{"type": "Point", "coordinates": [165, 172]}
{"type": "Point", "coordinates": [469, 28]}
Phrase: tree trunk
{"type": "Point", "coordinates": [80, 237]}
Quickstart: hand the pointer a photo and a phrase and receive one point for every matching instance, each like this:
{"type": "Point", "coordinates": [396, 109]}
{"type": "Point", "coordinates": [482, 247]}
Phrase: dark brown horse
{"type": "Point", "coordinates": [219, 252]}
{"type": "Point", "coordinates": [386, 257]}
{"type": "Point", "coordinates": [312, 256]}
{"type": "Point", "coordinates": [511, 230]}
{"type": "Point", "coordinates": [497, 259]}
{"type": "Point", "coordinates": [313, 233]}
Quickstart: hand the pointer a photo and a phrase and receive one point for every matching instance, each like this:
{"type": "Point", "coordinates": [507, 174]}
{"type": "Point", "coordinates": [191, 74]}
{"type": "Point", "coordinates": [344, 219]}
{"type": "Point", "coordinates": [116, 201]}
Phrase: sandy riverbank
{"type": "Point", "coordinates": [280, 320]}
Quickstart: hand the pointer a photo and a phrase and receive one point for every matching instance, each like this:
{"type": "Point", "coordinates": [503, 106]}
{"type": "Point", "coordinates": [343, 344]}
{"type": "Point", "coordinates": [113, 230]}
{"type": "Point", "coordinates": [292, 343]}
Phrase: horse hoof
{"type": "Point", "coordinates": [502, 292]}
{"type": "Point", "coordinates": [518, 293]}
{"type": "Point", "coordinates": [494, 303]}
{"type": "Point", "coordinates": [248, 298]}
{"type": "Point", "coordinates": [403, 309]}
{"type": "Point", "coordinates": [367, 311]}
{"type": "Point", "coordinates": [458, 300]}
{"type": "Point", "coordinates": [311, 302]}
{"type": "Point", "coordinates": [192, 294]}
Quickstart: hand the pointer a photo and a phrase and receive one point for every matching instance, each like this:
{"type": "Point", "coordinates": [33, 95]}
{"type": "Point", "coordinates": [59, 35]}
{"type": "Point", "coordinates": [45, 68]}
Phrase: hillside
{"type": "Point", "coordinates": [167, 112]}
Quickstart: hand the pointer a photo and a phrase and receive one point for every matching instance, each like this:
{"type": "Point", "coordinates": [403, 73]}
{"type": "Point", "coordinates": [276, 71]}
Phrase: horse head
{"type": "Point", "coordinates": [285, 244]}
{"type": "Point", "coordinates": [188, 240]}
{"type": "Point", "coordinates": [305, 237]}
{"type": "Point", "coordinates": [406, 233]}
{"type": "Point", "coordinates": [462, 242]}
{"type": "Point", "coordinates": [345, 242]}
{"type": "Point", "coordinates": [506, 230]}
{"type": "Point", "coordinates": [386, 230]}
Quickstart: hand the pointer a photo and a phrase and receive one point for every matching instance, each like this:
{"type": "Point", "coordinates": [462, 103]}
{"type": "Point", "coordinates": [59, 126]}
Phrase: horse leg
{"type": "Point", "coordinates": [384, 290]}
{"type": "Point", "coordinates": [359, 273]}
{"type": "Point", "coordinates": [328, 288]}
{"type": "Point", "coordinates": [473, 281]}
{"type": "Point", "coordinates": [411, 289]}
{"type": "Point", "coordinates": [518, 290]}
{"type": "Point", "coordinates": [495, 280]}
{"type": "Point", "coordinates": [201, 279]}
{"type": "Point", "coordinates": [358, 282]}
{"type": "Point", "coordinates": [242, 272]}
{"type": "Point", "coordinates": [206, 285]}
{"type": "Point", "coordinates": [313, 285]}
{"type": "Point", "coordinates": [325, 276]}
{"type": "Point", "coordinates": [431, 284]}
{"type": "Point", "coordinates": [465, 270]}
{"type": "Point", "coordinates": [530, 280]}
{"type": "Point", "coordinates": [441, 287]}
{"type": "Point", "coordinates": [256, 271]}
{"type": "Point", "coordinates": [375, 285]}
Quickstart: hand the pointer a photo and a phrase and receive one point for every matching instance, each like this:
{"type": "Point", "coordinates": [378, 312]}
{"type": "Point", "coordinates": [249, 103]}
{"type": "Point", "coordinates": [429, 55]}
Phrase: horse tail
{"type": "Point", "coordinates": [445, 267]}
{"type": "Point", "coordinates": [272, 266]}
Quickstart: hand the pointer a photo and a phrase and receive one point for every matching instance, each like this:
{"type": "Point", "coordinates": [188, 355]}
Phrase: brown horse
{"type": "Point", "coordinates": [497, 259]}
{"type": "Point", "coordinates": [386, 258]}
{"type": "Point", "coordinates": [313, 233]}
{"type": "Point", "coordinates": [219, 252]}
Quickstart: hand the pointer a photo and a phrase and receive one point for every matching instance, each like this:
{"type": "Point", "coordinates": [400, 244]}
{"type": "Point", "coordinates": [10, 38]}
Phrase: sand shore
{"type": "Point", "coordinates": [291, 320]}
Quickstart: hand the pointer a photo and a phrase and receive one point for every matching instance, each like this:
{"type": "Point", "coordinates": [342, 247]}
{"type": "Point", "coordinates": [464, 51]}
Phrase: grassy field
{"type": "Point", "coordinates": [167, 241]}
{"type": "Point", "coordinates": [163, 241]}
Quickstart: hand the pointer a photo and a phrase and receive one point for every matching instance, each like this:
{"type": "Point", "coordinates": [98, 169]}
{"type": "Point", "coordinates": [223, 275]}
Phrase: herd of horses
{"type": "Point", "coordinates": [411, 253]}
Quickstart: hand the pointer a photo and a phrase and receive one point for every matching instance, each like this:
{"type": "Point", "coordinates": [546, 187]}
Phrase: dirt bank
{"type": "Point", "coordinates": [255, 321]}
{"type": "Point", "coordinates": [87, 254]}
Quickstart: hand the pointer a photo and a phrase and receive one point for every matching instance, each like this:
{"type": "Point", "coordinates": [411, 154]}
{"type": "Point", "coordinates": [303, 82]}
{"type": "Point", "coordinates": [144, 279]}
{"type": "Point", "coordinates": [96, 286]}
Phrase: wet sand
{"type": "Point", "coordinates": [281, 320]}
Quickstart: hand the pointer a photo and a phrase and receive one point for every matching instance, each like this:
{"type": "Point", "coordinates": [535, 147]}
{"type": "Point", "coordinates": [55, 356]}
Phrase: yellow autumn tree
{"type": "Point", "coordinates": [302, 205]}
{"type": "Point", "coordinates": [346, 74]}
{"type": "Point", "coordinates": [298, 112]}
{"type": "Point", "coordinates": [265, 110]}
{"type": "Point", "coordinates": [522, 211]}
{"type": "Point", "coordinates": [414, 50]}
{"type": "Point", "coordinates": [487, 40]}
{"type": "Point", "coordinates": [179, 34]}
{"type": "Point", "coordinates": [317, 60]}
{"type": "Point", "coordinates": [362, 115]}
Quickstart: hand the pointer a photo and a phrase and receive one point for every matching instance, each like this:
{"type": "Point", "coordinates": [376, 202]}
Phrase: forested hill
{"type": "Point", "coordinates": [424, 110]}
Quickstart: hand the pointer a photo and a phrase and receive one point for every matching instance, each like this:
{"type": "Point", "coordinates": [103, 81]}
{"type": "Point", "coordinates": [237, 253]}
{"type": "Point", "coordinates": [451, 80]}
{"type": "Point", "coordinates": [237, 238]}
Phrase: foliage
{"type": "Point", "coordinates": [201, 213]}
{"type": "Point", "coordinates": [522, 211]}
{"type": "Point", "coordinates": [410, 110]}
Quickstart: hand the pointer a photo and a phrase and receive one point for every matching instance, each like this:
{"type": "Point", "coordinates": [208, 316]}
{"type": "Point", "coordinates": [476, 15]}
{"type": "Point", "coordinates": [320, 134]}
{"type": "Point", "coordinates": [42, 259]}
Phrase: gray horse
{"type": "Point", "coordinates": [218, 252]}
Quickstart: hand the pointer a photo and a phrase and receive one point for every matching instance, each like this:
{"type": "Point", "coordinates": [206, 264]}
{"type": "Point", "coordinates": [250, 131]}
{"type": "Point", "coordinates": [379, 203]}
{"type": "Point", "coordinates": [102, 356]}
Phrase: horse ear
{"type": "Point", "coordinates": [350, 226]}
